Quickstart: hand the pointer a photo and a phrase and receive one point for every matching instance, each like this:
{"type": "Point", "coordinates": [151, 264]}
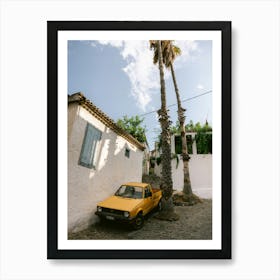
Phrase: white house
{"type": "Point", "coordinates": [101, 156]}
{"type": "Point", "coordinates": [200, 167]}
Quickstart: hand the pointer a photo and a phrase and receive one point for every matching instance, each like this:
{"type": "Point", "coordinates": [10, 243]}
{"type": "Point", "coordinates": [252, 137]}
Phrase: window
{"type": "Point", "coordinates": [127, 152]}
{"type": "Point", "coordinates": [91, 138]}
{"type": "Point", "coordinates": [147, 193]}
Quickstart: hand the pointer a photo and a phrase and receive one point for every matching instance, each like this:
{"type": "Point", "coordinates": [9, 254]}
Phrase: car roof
{"type": "Point", "coordinates": [136, 184]}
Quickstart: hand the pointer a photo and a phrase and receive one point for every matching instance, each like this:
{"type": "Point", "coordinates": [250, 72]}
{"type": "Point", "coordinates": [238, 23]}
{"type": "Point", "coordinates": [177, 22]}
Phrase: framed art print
{"type": "Point", "coordinates": [139, 140]}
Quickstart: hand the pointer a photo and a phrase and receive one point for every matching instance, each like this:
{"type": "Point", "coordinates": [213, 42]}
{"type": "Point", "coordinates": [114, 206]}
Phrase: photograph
{"type": "Point", "coordinates": [140, 140]}
{"type": "Point", "coordinates": [126, 159]}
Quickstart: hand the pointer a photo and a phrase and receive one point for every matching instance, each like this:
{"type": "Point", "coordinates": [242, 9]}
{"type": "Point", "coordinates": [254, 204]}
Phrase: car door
{"type": "Point", "coordinates": [148, 199]}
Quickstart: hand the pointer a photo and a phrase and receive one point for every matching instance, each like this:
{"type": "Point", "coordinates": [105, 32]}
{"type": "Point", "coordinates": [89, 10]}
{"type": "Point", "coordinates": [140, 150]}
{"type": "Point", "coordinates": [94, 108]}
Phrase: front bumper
{"type": "Point", "coordinates": [114, 217]}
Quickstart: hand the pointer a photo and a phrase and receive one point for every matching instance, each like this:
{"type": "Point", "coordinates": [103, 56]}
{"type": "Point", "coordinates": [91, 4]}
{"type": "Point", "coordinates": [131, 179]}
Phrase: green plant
{"type": "Point", "coordinates": [173, 156]}
{"type": "Point", "coordinates": [178, 144]}
{"type": "Point", "coordinates": [152, 161]}
{"type": "Point", "coordinates": [203, 138]}
{"type": "Point", "coordinates": [203, 143]}
{"type": "Point", "coordinates": [133, 126]}
{"type": "Point", "coordinates": [158, 160]}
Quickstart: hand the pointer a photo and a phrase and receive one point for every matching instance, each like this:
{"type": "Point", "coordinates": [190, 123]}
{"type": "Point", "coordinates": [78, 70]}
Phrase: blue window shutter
{"type": "Point", "coordinates": [95, 138]}
{"type": "Point", "coordinates": [91, 138]}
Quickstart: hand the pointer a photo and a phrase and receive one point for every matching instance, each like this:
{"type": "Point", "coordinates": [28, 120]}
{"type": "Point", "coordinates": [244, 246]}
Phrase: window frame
{"type": "Point", "coordinates": [92, 149]}
{"type": "Point", "coordinates": [127, 150]}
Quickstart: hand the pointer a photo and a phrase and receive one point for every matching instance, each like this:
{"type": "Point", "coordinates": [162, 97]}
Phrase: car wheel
{"type": "Point", "coordinates": [138, 222]}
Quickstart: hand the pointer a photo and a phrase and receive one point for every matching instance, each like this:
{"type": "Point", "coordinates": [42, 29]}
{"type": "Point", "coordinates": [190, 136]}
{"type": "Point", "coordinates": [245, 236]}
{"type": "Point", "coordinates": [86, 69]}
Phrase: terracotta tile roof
{"type": "Point", "coordinates": [96, 112]}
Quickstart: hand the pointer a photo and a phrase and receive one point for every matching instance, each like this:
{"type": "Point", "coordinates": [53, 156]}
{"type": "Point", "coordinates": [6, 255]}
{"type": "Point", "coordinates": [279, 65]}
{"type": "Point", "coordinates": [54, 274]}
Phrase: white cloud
{"type": "Point", "coordinates": [142, 73]}
{"type": "Point", "coordinates": [188, 48]}
{"type": "Point", "coordinates": [200, 86]}
{"type": "Point", "coordinates": [115, 43]}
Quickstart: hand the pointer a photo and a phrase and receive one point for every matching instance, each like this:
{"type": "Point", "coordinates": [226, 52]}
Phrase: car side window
{"type": "Point", "coordinates": [147, 192]}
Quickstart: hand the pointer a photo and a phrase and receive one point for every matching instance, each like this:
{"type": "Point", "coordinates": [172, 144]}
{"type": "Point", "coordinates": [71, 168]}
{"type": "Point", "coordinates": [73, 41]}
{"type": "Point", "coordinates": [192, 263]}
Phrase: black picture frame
{"type": "Point", "coordinates": [53, 27]}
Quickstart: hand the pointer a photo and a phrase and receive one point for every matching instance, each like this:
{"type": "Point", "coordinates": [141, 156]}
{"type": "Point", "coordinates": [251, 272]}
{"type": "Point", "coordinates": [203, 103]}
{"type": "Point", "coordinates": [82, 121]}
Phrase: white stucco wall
{"type": "Point", "coordinates": [86, 187]}
{"type": "Point", "coordinates": [200, 167]}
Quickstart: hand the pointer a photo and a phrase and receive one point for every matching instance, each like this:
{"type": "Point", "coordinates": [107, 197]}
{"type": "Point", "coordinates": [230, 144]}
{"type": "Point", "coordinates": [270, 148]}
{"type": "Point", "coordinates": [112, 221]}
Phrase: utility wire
{"type": "Point", "coordinates": [184, 100]}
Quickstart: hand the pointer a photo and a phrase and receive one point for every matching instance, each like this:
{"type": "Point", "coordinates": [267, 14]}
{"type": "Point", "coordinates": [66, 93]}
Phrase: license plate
{"type": "Point", "coordinates": [110, 218]}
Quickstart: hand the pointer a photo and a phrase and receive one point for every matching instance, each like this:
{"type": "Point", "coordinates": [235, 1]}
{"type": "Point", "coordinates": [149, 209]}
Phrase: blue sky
{"type": "Point", "coordinates": [120, 78]}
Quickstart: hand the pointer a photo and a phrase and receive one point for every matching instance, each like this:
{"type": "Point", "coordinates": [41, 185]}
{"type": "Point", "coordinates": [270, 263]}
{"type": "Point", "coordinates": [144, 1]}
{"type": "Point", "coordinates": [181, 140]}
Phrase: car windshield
{"type": "Point", "coordinates": [130, 192]}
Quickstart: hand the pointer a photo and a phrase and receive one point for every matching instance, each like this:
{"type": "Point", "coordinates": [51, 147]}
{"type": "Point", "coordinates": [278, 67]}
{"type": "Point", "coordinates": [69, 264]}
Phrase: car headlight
{"type": "Point", "coordinates": [126, 214]}
{"type": "Point", "coordinates": [99, 209]}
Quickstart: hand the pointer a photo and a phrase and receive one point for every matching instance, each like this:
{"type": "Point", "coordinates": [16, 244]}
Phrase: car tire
{"type": "Point", "coordinates": [138, 222]}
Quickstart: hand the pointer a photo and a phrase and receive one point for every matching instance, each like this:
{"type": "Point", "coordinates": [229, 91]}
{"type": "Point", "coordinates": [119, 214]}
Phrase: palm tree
{"type": "Point", "coordinates": [169, 53]}
{"type": "Point", "coordinates": [167, 184]}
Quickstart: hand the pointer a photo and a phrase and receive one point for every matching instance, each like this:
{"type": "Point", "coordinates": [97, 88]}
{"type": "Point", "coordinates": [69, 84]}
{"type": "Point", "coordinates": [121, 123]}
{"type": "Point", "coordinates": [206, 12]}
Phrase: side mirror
{"type": "Point", "coordinates": [148, 194]}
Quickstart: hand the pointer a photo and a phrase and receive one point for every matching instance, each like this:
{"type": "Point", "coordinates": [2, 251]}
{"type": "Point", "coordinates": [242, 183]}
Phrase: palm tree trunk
{"type": "Point", "coordinates": [185, 156]}
{"type": "Point", "coordinates": [167, 212]}
{"type": "Point", "coordinates": [167, 185]}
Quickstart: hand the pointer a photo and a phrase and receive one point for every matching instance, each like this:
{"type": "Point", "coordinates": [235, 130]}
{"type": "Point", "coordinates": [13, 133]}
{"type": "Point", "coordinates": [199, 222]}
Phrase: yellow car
{"type": "Point", "coordinates": [131, 203]}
